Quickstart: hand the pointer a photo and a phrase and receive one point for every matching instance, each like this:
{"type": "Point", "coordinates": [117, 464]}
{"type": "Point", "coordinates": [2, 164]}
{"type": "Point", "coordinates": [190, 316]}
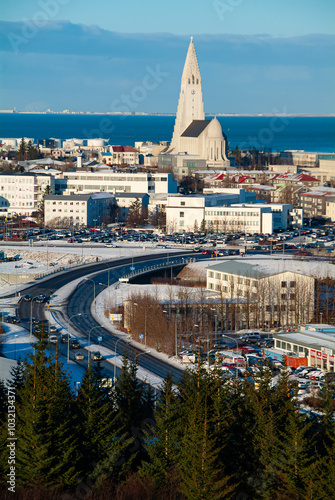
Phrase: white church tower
{"type": "Point", "coordinates": [190, 105]}
{"type": "Point", "coordinates": [193, 134]}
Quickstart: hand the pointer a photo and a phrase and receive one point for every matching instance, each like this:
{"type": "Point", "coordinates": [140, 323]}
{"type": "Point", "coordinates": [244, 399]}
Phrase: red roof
{"type": "Point", "coordinates": [296, 177]}
{"type": "Point", "coordinates": [218, 177]}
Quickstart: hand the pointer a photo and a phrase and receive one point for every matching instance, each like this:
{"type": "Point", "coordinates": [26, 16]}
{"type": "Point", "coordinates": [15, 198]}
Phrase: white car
{"type": "Point", "coordinates": [316, 375]}
{"type": "Point", "coordinates": [53, 339]}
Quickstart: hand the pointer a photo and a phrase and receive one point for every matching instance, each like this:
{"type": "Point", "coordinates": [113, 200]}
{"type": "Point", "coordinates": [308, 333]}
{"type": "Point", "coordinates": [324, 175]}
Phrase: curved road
{"type": "Point", "coordinates": [79, 304]}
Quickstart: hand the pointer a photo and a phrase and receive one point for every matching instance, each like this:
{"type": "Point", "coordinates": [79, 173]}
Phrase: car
{"type": "Point", "coordinates": [266, 343]}
{"type": "Point", "coordinates": [96, 356]}
{"type": "Point", "coordinates": [304, 373]}
{"type": "Point", "coordinates": [53, 329]}
{"type": "Point", "coordinates": [53, 339]}
{"type": "Point", "coordinates": [64, 338]}
{"type": "Point", "coordinates": [13, 319]}
{"type": "Point", "coordinates": [79, 356]}
{"type": "Point", "coordinates": [74, 344]}
{"type": "Point", "coordinates": [27, 297]}
{"type": "Point", "coordinates": [250, 338]}
{"type": "Point", "coordinates": [316, 375]}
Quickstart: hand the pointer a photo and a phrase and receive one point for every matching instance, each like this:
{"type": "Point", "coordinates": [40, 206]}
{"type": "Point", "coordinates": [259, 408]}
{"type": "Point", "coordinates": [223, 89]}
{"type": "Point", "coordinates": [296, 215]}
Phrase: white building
{"type": "Point", "coordinates": [316, 342]}
{"type": "Point", "coordinates": [82, 182]}
{"type": "Point", "coordinates": [80, 209]}
{"type": "Point", "coordinates": [279, 298]}
{"type": "Point", "coordinates": [186, 213]}
{"type": "Point", "coordinates": [24, 192]}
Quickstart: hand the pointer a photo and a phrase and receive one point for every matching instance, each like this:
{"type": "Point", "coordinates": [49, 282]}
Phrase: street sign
{"type": "Point", "coordinates": [115, 317]}
{"type": "Point", "coordinates": [132, 268]}
{"type": "Point", "coordinates": [99, 339]}
{"type": "Point", "coordinates": [141, 336]}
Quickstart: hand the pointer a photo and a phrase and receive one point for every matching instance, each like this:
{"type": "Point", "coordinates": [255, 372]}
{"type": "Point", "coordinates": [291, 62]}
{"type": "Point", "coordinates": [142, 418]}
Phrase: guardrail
{"type": "Point", "coordinates": [160, 265]}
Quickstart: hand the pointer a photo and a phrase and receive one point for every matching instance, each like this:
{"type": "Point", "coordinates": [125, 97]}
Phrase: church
{"type": "Point", "coordinates": [194, 135]}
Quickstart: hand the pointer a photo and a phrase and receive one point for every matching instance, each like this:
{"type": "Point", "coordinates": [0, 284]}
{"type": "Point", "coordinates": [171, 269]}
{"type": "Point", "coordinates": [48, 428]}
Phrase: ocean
{"type": "Point", "coordinates": [262, 133]}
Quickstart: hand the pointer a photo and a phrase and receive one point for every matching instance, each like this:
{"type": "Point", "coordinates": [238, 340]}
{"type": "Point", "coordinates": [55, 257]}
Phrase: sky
{"type": "Point", "coordinates": [255, 56]}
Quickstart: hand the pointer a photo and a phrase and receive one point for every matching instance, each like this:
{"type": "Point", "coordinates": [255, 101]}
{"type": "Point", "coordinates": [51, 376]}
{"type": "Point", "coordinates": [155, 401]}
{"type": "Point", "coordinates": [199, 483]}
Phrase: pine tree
{"type": "Point", "coordinates": [44, 427]}
{"type": "Point", "coordinates": [17, 378]}
{"type": "Point", "coordinates": [162, 440]}
{"type": "Point", "coordinates": [99, 430]}
{"type": "Point", "coordinates": [22, 151]}
{"type": "Point", "coordinates": [201, 474]}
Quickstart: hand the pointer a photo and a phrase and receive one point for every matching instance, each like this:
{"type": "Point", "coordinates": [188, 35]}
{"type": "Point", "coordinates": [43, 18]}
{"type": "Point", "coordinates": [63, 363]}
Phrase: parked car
{"type": "Point", "coordinates": [304, 373]}
{"type": "Point", "coordinates": [316, 375]}
{"type": "Point", "coordinates": [27, 297]}
{"type": "Point", "coordinates": [266, 343]}
{"type": "Point", "coordinates": [53, 329]}
{"type": "Point", "coordinates": [53, 339]}
{"type": "Point", "coordinates": [79, 356]}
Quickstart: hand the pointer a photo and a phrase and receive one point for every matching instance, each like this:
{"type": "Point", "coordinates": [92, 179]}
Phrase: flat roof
{"type": "Point", "coordinates": [306, 340]}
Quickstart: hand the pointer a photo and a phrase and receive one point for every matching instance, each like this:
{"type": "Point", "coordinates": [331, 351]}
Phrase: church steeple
{"type": "Point", "coordinates": [190, 105]}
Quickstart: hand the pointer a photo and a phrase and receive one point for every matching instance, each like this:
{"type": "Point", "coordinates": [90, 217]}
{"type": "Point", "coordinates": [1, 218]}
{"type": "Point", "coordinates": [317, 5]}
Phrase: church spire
{"type": "Point", "coordinates": [190, 105]}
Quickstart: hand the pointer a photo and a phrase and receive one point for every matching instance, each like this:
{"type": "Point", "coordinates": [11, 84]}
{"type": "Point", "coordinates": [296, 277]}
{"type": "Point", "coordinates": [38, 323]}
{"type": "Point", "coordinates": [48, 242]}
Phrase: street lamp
{"type": "Point", "coordinates": [141, 353]}
{"type": "Point", "coordinates": [106, 286]}
{"type": "Point", "coordinates": [145, 324]}
{"type": "Point", "coordinates": [234, 340]}
{"type": "Point", "coordinates": [89, 342]}
{"type": "Point", "coordinates": [31, 316]}
{"type": "Point", "coordinates": [68, 338]}
{"type": "Point", "coordinates": [115, 345]}
{"type": "Point", "coordinates": [89, 279]}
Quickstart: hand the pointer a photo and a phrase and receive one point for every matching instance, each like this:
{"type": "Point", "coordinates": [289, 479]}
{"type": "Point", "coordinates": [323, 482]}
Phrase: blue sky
{"type": "Point", "coordinates": [255, 56]}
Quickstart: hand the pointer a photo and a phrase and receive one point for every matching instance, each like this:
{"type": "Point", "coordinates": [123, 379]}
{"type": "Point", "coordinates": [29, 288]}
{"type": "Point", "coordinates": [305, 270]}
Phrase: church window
{"type": "Point", "coordinates": [192, 78]}
{"type": "Point", "coordinates": [197, 80]}
{"type": "Point", "coordinates": [189, 81]}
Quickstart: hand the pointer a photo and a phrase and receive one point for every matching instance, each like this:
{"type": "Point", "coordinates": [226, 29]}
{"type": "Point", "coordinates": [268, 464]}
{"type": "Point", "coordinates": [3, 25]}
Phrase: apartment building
{"type": "Point", "coordinates": [79, 209]}
{"type": "Point", "coordinates": [24, 191]}
{"type": "Point", "coordinates": [81, 182]}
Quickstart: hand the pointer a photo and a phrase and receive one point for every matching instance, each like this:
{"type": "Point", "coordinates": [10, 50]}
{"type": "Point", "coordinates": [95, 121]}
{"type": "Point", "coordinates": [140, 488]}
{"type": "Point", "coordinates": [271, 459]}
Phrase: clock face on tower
{"type": "Point", "coordinates": [193, 92]}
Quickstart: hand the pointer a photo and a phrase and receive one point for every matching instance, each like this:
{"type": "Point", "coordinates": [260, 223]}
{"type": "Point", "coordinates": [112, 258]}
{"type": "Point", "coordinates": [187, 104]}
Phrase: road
{"type": "Point", "coordinates": [79, 304]}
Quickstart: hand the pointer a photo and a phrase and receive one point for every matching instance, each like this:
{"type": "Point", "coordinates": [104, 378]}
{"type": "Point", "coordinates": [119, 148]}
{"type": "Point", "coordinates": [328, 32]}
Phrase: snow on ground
{"type": "Point", "coordinates": [48, 258]}
{"type": "Point", "coordinates": [16, 343]}
{"type": "Point", "coordinates": [269, 262]}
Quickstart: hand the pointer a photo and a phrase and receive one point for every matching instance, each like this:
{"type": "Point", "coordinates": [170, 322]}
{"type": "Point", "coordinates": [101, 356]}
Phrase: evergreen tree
{"type": "Point", "coordinates": [44, 423]}
{"type": "Point", "coordinates": [201, 475]}
{"type": "Point", "coordinates": [17, 378]}
{"type": "Point", "coordinates": [22, 151]}
{"type": "Point", "coordinates": [99, 431]}
{"type": "Point", "coordinates": [162, 440]}
{"type": "Point", "coordinates": [129, 398]}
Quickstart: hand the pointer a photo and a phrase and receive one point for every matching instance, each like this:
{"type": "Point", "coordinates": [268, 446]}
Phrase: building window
{"type": "Point", "coordinates": [292, 284]}
{"type": "Point", "coordinates": [283, 284]}
{"type": "Point", "coordinates": [182, 203]}
{"type": "Point", "coordinates": [283, 296]}
{"type": "Point", "coordinates": [181, 214]}
{"type": "Point", "coordinates": [292, 296]}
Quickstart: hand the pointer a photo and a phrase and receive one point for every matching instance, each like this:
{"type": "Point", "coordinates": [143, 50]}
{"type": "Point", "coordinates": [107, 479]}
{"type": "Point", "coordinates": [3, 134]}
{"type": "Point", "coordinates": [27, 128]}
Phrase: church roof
{"type": "Point", "coordinates": [195, 128]}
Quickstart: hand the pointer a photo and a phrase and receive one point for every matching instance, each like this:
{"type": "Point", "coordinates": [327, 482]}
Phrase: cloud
{"type": "Point", "coordinates": [86, 67]}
